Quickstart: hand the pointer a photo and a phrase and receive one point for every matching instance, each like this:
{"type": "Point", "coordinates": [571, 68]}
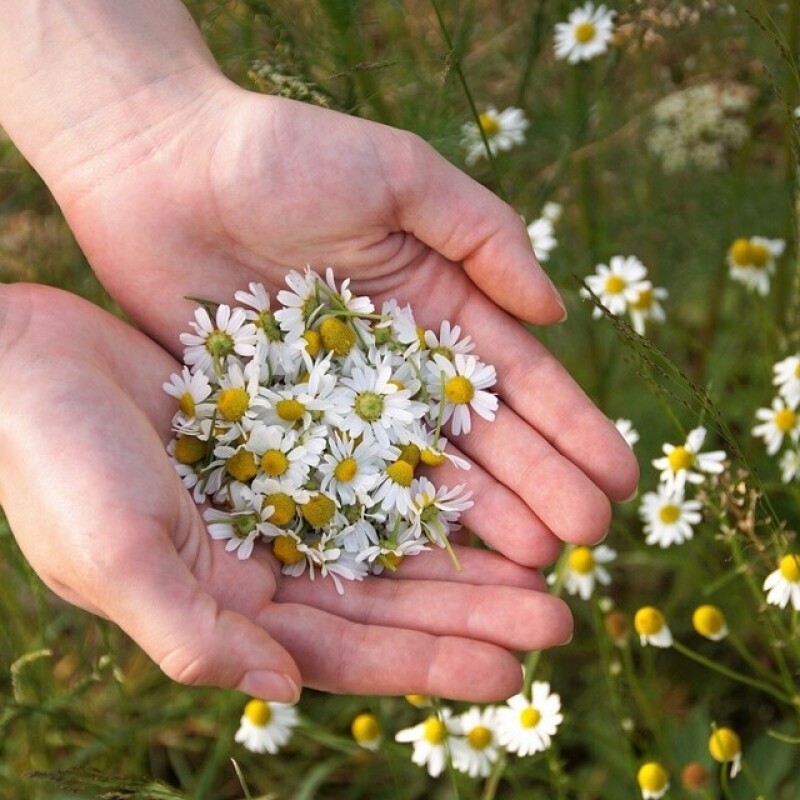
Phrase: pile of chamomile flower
{"type": "Point", "coordinates": [306, 426]}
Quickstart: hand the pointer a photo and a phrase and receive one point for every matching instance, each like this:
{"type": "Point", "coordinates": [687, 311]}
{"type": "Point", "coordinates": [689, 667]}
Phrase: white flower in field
{"type": "Point", "coordinates": [684, 462]}
{"type": "Point", "coordinates": [647, 307]}
{"type": "Point", "coordinates": [668, 518]}
{"type": "Point", "coordinates": [213, 344]}
{"type": "Point", "coordinates": [787, 379]}
{"type": "Point", "coordinates": [752, 261]}
{"type": "Point", "coordinates": [475, 751]}
{"type": "Point", "coordinates": [428, 739]}
{"type": "Point", "coordinates": [585, 35]}
{"type": "Point", "coordinates": [190, 389]}
{"type": "Point", "coordinates": [366, 731]}
{"type": "Point", "coordinates": [527, 726]}
{"type": "Point", "coordinates": [462, 386]}
{"type": "Point", "coordinates": [542, 235]}
{"type": "Point", "coordinates": [777, 422]}
{"type": "Point", "coordinates": [709, 621]}
{"type": "Point", "coordinates": [617, 284]}
{"type": "Point", "coordinates": [627, 431]}
{"type": "Point", "coordinates": [503, 131]}
{"type": "Point", "coordinates": [552, 211]}
{"type": "Point", "coordinates": [726, 747]}
{"type": "Point", "coordinates": [653, 780]}
{"type": "Point", "coordinates": [790, 465]}
{"type": "Point", "coordinates": [265, 727]}
{"type": "Point", "coordinates": [584, 569]}
{"type": "Point", "coordinates": [783, 585]}
{"type": "Point", "coordinates": [652, 627]}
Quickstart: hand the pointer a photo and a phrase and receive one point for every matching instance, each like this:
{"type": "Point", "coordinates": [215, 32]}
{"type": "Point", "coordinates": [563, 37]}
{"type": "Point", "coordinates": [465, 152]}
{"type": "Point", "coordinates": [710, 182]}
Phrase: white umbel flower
{"type": "Point", "coordinates": [585, 35]}
{"type": "Point", "coordinates": [462, 385]}
{"type": "Point", "coordinates": [617, 284]}
{"type": "Point", "coordinates": [684, 462]}
{"type": "Point", "coordinates": [787, 379]}
{"type": "Point", "coordinates": [265, 727]}
{"type": "Point", "coordinates": [527, 726]}
{"type": "Point", "coordinates": [668, 518]}
{"type": "Point", "coordinates": [504, 130]}
{"type": "Point", "coordinates": [778, 422]}
{"type": "Point", "coordinates": [783, 585]}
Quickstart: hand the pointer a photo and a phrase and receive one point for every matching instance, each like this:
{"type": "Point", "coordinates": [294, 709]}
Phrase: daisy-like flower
{"type": "Point", "coordinates": [726, 748]}
{"type": "Point", "coordinates": [265, 727]}
{"type": "Point", "coordinates": [280, 456]}
{"type": "Point", "coordinates": [448, 341]}
{"type": "Point", "coordinates": [388, 553]}
{"type": "Point", "coordinates": [428, 739]}
{"type": "Point", "coordinates": [350, 471]}
{"type": "Point", "coordinates": [783, 585]}
{"type": "Point", "coordinates": [652, 627]}
{"type": "Point", "coordinates": [212, 345]}
{"type": "Point", "coordinates": [503, 130]}
{"type": "Point", "coordinates": [684, 462]}
{"type": "Point", "coordinates": [542, 235]}
{"type": "Point", "coordinates": [647, 306]}
{"type": "Point", "coordinates": [239, 528]}
{"type": "Point", "coordinates": [777, 422]}
{"type": "Point", "coordinates": [653, 780]}
{"type": "Point", "coordinates": [526, 726]}
{"type": "Point", "coordinates": [790, 465]}
{"type": "Point", "coordinates": [475, 751]}
{"type": "Point", "coordinates": [301, 301]}
{"type": "Point", "coordinates": [787, 379]}
{"type": "Point", "coordinates": [394, 491]}
{"type": "Point", "coordinates": [190, 389]}
{"type": "Point", "coordinates": [627, 431]}
{"type": "Point", "coordinates": [584, 569]}
{"type": "Point", "coordinates": [752, 261]}
{"type": "Point", "coordinates": [462, 386]}
{"type": "Point", "coordinates": [435, 511]}
{"type": "Point", "coordinates": [709, 621]}
{"type": "Point", "coordinates": [585, 35]}
{"type": "Point", "coordinates": [366, 731]}
{"type": "Point", "coordinates": [552, 211]}
{"type": "Point", "coordinates": [617, 284]}
{"type": "Point", "coordinates": [668, 518]}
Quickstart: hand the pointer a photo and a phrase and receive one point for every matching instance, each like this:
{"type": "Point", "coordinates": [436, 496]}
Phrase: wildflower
{"type": "Point", "coordinates": [462, 386]}
{"type": "Point", "coordinates": [212, 344]}
{"type": "Point", "coordinates": [617, 284]}
{"type": "Point", "coordinates": [190, 389]}
{"type": "Point", "coordinates": [684, 462]}
{"type": "Point", "coordinates": [790, 465]}
{"type": "Point", "coordinates": [585, 35]}
{"type": "Point", "coordinates": [475, 751]}
{"type": "Point", "coordinates": [653, 780]}
{"type": "Point", "coordinates": [776, 422]}
{"type": "Point", "coordinates": [435, 511]}
{"type": "Point", "coordinates": [652, 627]}
{"type": "Point", "coordinates": [725, 746]}
{"type": "Point", "coordinates": [366, 731]}
{"type": "Point", "coordinates": [668, 518]}
{"type": "Point", "coordinates": [265, 727]}
{"type": "Point", "coordinates": [709, 621]}
{"type": "Point", "coordinates": [448, 341]}
{"type": "Point", "coordinates": [429, 738]}
{"type": "Point", "coordinates": [783, 584]}
{"type": "Point", "coordinates": [584, 568]}
{"type": "Point", "coordinates": [552, 211]}
{"type": "Point", "coordinates": [526, 726]}
{"type": "Point", "coordinates": [752, 261]}
{"type": "Point", "coordinates": [627, 431]}
{"type": "Point", "coordinates": [647, 306]}
{"type": "Point", "coordinates": [503, 131]}
{"type": "Point", "coordinates": [542, 235]}
{"type": "Point", "coordinates": [787, 379]}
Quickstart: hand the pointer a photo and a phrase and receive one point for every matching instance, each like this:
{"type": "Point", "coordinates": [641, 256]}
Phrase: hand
{"type": "Point", "coordinates": [103, 518]}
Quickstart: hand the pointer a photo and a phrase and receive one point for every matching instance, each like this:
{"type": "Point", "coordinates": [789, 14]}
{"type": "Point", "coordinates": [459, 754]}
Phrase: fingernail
{"type": "Point", "coordinates": [631, 497]}
{"type": "Point", "coordinates": [558, 298]}
{"type": "Point", "coordinates": [268, 685]}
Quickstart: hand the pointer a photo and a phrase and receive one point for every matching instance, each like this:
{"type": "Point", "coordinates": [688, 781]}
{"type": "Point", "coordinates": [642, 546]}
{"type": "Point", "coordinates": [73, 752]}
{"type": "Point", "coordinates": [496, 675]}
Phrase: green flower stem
{"type": "Point", "coordinates": [753, 779]}
{"type": "Point", "coordinates": [747, 656]}
{"type": "Point", "coordinates": [493, 781]}
{"type": "Point", "coordinates": [724, 782]}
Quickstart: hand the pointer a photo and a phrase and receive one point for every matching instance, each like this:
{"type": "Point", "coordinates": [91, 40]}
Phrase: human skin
{"type": "Point", "coordinates": [178, 183]}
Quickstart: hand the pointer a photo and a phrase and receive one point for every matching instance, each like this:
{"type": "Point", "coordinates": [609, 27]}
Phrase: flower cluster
{"type": "Point", "coordinates": [698, 127]}
{"type": "Point", "coordinates": [622, 286]}
{"type": "Point", "coordinates": [752, 261]}
{"type": "Point", "coordinates": [305, 426]}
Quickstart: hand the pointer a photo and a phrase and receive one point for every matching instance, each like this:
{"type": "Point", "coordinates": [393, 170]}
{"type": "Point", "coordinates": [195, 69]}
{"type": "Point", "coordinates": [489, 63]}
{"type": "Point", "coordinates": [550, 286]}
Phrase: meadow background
{"type": "Point", "coordinates": [81, 706]}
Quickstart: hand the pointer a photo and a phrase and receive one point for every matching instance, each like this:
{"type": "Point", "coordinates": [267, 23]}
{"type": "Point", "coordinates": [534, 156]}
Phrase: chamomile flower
{"type": "Point", "coordinates": [280, 456]}
{"type": "Point", "coordinates": [777, 422]}
{"type": "Point", "coordinates": [527, 726]}
{"type": "Point", "coordinates": [265, 727]}
{"type": "Point", "coordinates": [617, 284]}
{"type": "Point", "coordinates": [475, 750]}
{"type": "Point", "coordinates": [552, 211]}
{"type": "Point", "coordinates": [239, 529]}
{"type": "Point", "coordinates": [435, 511]}
{"type": "Point", "coordinates": [652, 627]}
{"type": "Point", "coordinates": [684, 462]}
{"type": "Point", "coordinates": [349, 471]}
{"type": "Point", "coordinates": [190, 389]}
{"type": "Point", "coordinates": [668, 517]}
{"type": "Point", "coordinates": [448, 341]}
{"type": "Point", "coordinates": [709, 621]}
{"type": "Point", "coordinates": [790, 465]}
{"type": "Point", "coordinates": [366, 731]}
{"type": "Point", "coordinates": [787, 379]}
{"type": "Point", "coordinates": [726, 748]}
{"type": "Point", "coordinates": [783, 585]}
{"type": "Point", "coordinates": [585, 35]}
{"type": "Point", "coordinates": [647, 307]}
{"type": "Point", "coordinates": [503, 130]}
{"type": "Point", "coordinates": [428, 739]}
{"type": "Point", "coordinates": [627, 431]}
{"type": "Point", "coordinates": [301, 304]}
{"type": "Point", "coordinates": [584, 569]}
{"type": "Point", "coordinates": [212, 345]}
{"type": "Point", "coordinates": [653, 780]}
{"type": "Point", "coordinates": [462, 385]}
{"type": "Point", "coordinates": [752, 261]}
{"type": "Point", "coordinates": [542, 235]}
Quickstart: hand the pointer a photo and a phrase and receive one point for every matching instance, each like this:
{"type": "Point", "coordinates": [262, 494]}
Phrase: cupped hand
{"type": "Point", "coordinates": [103, 518]}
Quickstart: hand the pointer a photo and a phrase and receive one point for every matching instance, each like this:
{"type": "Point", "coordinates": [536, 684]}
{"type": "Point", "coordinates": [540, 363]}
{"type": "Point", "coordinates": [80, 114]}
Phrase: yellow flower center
{"type": "Point", "coordinates": [669, 513]}
{"type": "Point", "coordinates": [284, 548]}
{"type": "Point", "coordinates": [290, 410]}
{"type": "Point", "coordinates": [529, 717]}
{"type": "Point", "coordinates": [652, 777]}
{"type": "Point", "coordinates": [284, 506]}
{"type": "Point", "coordinates": [459, 390]}
{"type": "Point", "coordinates": [797, 370]}
{"type": "Point", "coordinates": [759, 255]}
{"type": "Point", "coordinates": [432, 458]}
{"type": "Point", "coordinates": [708, 620]}
{"type": "Point", "coordinates": [643, 301]}
{"type": "Point", "coordinates": [267, 322]}
{"type": "Point", "coordinates": [401, 472]}
{"type": "Point", "coordinates": [258, 712]}
{"type": "Point", "coordinates": [615, 284]}
{"type": "Point", "coordinates": [232, 403]}
{"type": "Point", "coordinates": [318, 511]}
{"type": "Point", "coordinates": [441, 350]}
{"type": "Point", "coordinates": [313, 343]}
{"type": "Point", "coordinates": [584, 32]}
{"type": "Point", "coordinates": [421, 337]}
{"type": "Point", "coordinates": [489, 124]}
{"type": "Point", "coordinates": [740, 252]}
{"type": "Point", "coordinates": [680, 458]}
{"type": "Point", "coordinates": [648, 621]}
{"type": "Point", "coordinates": [219, 344]}
{"type": "Point", "coordinates": [368, 406]}
{"type": "Point", "coordinates": [337, 335]}
{"type": "Point", "coordinates": [417, 700]}
{"type": "Point", "coordinates": [346, 470]}
{"type": "Point", "coordinates": [242, 465]}
{"type": "Point", "coordinates": [189, 449]}
{"type": "Point", "coordinates": [274, 463]}
{"type": "Point", "coordinates": [581, 560]}
{"type": "Point", "coordinates": [398, 383]}
{"type": "Point", "coordinates": [411, 454]}
{"type": "Point", "coordinates": [724, 745]}
{"type": "Point", "coordinates": [790, 567]}
{"type": "Point", "coordinates": [746, 253]}
{"type": "Point", "coordinates": [785, 420]}
{"type": "Point", "coordinates": [434, 730]}
{"type": "Point", "coordinates": [365, 728]}
{"type": "Point", "coordinates": [390, 560]}
{"type": "Point", "coordinates": [479, 737]}
{"type": "Point", "coordinates": [186, 404]}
